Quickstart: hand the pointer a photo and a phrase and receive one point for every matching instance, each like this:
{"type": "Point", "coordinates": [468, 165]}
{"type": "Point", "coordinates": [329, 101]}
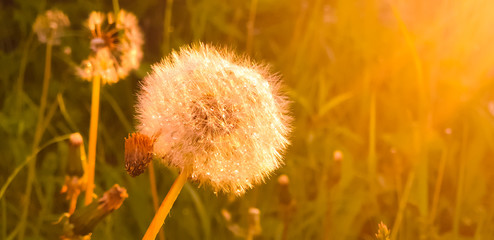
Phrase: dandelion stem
{"type": "Point", "coordinates": [37, 135]}
{"type": "Point", "coordinates": [167, 27]}
{"type": "Point", "coordinates": [116, 7]}
{"type": "Point", "coordinates": [372, 164]}
{"type": "Point", "coordinates": [250, 26]}
{"type": "Point", "coordinates": [402, 205]}
{"type": "Point", "coordinates": [437, 189]}
{"type": "Point", "coordinates": [22, 70]}
{"type": "Point", "coordinates": [154, 194]}
{"type": "Point", "coordinates": [73, 203]}
{"type": "Point", "coordinates": [93, 134]}
{"type": "Point", "coordinates": [461, 184]}
{"type": "Point", "coordinates": [166, 205]}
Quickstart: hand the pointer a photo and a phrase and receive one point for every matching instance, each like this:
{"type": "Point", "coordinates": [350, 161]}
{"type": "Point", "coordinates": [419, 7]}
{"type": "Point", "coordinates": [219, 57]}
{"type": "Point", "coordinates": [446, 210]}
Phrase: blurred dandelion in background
{"type": "Point", "coordinates": [116, 43]}
{"type": "Point", "coordinates": [51, 22]}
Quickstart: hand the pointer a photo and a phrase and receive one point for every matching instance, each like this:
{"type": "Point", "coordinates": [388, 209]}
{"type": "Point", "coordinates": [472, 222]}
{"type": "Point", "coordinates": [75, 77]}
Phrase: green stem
{"type": "Point", "coordinates": [250, 26]}
{"type": "Point", "coordinates": [37, 137]}
{"type": "Point", "coordinates": [154, 194]}
{"type": "Point", "coordinates": [20, 79]}
{"type": "Point", "coordinates": [437, 188]}
{"type": "Point", "coordinates": [166, 205]}
{"type": "Point", "coordinates": [372, 141]}
{"type": "Point", "coordinates": [28, 160]}
{"type": "Point", "coordinates": [166, 27]}
{"type": "Point", "coordinates": [4, 219]}
{"type": "Point", "coordinates": [402, 205]}
{"type": "Point", "coordinates": [461, 183]}
{"type": "Point", "coordinates": [116, 7]}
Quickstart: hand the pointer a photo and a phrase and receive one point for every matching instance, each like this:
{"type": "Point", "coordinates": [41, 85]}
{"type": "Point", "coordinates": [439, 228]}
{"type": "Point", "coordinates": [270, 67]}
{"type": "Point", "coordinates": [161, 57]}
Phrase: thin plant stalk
{"type": "Point", "coordinates": [73, 199]}
{"type": "Point", "coordinates": [154, 194]}
{"type": "Point", "coordinates": [402, 205]}
{"type": "Point", "coordinates": [93, 136]}
{"type": "Point", "coordinates": [250, 236]}
{"type": "Point", "coordinates": [22, 70]}
{"type": "Point", "coordinates": [3, 204]}
{"type": "Point", "coordinates": [166, 205]}
{"type": "Point", "coordinates": [38, 134]}
{"type": "Point", "coordinates": [437, 188]}
{"type": "Point", "coordinates": [116, 7]}
{"type": "Point", "coordinates": [461, 185]}
{"type": "Point", "coordinates": [250, 26]}
{"type": "Point", "coordinates": [372, 165]}
{"type": "Point", "coordinates": [167, 27]}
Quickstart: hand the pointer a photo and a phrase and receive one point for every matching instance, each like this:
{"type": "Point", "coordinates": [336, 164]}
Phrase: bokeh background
{"type": "Point", "coordinates": [393, 104]}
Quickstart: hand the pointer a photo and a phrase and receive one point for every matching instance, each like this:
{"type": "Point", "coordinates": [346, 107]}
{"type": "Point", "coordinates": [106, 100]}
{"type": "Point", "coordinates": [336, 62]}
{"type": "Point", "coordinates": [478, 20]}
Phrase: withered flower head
{"type": "Point", "coordinates": [219, 115]}
{"type": "Point", "coordinates": [115, 46]}
{"type": "Point", "coordinates": [138, 153]}
{"type": "Point", "coordinates": [83, 221]}
{"type": "Point", "coordinates": [50, 24]}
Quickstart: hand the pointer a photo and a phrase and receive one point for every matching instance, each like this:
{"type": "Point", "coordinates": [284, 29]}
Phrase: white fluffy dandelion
{"type": "Point", "coordinates": [216, 114]}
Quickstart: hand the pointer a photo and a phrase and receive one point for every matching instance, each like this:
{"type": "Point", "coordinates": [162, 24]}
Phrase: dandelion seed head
{"type": "Point", "coordinates": [218, 114]}
{"type": "Point", "coordinates": [116, 46]}
{"type": "Point", "coordinates": [52, 22]}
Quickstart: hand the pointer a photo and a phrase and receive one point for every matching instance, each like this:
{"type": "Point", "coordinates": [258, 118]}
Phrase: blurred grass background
{"type": "Point", "coordinates": [393, 104]}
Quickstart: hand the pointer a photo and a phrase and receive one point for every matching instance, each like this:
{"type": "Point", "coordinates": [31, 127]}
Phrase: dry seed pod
{"type": "Point", "coordinates": [84, 220]}
{"type": "Point", "coordinates": [138, 153]}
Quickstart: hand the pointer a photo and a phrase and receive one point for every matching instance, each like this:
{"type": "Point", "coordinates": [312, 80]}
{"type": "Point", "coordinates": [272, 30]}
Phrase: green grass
{"type": "Point", "coordinates": [403, 89]}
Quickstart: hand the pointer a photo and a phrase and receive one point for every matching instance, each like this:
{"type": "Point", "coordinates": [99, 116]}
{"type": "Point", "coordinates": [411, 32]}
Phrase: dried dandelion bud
{"type": "Point", "coordinates": [50, 25]}
{"type": "Point", "coordinates": [226, 215]}
{"type": "Point", "coordinates": [254, 222]}
{"type": "Point", "coordinates": [219, 115]}
{"type": "Point", "coordinates": [116, 44]}
{"type": "Point", "coordinates": [74, 163]}
{"type": "Point", "coordinates": [338, 156]}
{"type": "Point", "coordinates": [285, 197]}
{"type": "Point", "coordinates": [138, 153]}
{"type": "Point", "coordinates": [85, 219]}
{"type": "Point", "coordinates": [382, 232]}
{"type": "Point", "coordinates": [283, 180]}
{"type": "Point", "coordinates": [74, 182]}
